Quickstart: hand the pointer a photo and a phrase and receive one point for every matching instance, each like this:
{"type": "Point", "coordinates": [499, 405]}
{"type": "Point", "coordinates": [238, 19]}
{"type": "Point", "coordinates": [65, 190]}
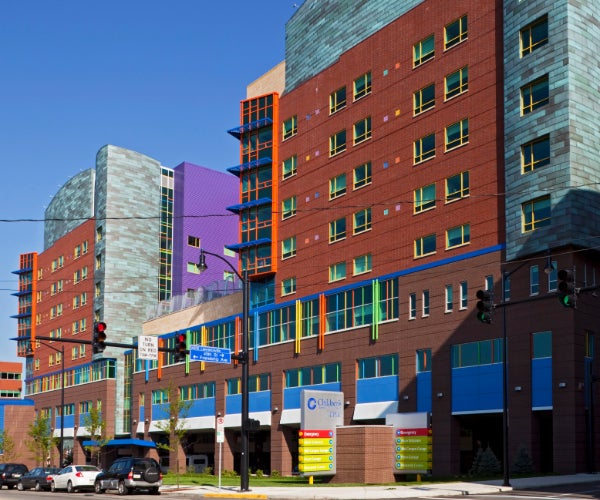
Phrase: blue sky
{"type": "Point", "coordinates": [160, 77]}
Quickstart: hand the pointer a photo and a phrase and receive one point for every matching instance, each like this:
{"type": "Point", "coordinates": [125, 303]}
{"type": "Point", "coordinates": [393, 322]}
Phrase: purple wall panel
{"type": "Point", "coordinates": [201, 196]}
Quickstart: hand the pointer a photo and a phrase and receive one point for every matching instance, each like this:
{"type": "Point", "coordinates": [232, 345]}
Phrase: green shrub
{"type": "Point", "coordinates": [260, 473]}
{"type": "Point", "coordinates": [275, 473]}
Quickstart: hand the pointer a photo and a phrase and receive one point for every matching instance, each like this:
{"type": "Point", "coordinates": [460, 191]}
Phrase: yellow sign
{"type": "Point", "coordinates": [315, 442]}
{"type": "Point", "coordinates": [314, 467]}
{"type": "Point", "coordinates": [315, 459]}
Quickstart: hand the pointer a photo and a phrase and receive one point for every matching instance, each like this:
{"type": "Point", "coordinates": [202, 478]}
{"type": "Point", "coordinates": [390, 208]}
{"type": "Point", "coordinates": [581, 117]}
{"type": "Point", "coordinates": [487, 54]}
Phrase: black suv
{"type": "Point", "coordinates": [10, 474]}
{"type": "Point", "coordinates": [128, 474]}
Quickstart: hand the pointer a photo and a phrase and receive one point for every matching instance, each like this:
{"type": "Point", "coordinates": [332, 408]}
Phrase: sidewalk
{"type": "Point", "coordinates": [375, 492]}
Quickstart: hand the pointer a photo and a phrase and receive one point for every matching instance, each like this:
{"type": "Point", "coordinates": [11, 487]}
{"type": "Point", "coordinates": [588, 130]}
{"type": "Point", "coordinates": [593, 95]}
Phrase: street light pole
{"type": "Point", "coordinates": [506, 480]}
{"type": "Point", "coordinates": [61, 449]}
{"type": "Point", "coordinates": [243, 359]}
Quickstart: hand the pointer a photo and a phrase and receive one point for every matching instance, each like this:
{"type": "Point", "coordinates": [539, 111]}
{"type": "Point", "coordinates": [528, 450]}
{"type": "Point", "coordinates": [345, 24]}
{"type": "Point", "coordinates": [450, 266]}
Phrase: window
{"type": "Point", "coordinates": [337, 271]}
{"type": "Point", "coordinates": [424, 99]}
{"type": "Point", "coordinates": [423, 360]}
{"type": "Point", "coordinates": [382, 366]}
{"type": "Point", "coordinates": [288, 286]}
{"type": "Point", "coordinates": [412, 306]}
{"type": "Point", "coordinates": [534, 95]}
{"type": "Point", "coordinates": [289, 167]}
{"type": "Point", "coordinates": [361, 264]}
{"type": "Point", "coordinates": [362, 86]}
{"type": "Point", "coordinates": [541, 345]}
{"type": "Point", "coordinates": [313, 375]}
{"type": "Point", "coordinates": [424, 198]}
{"type": "Point", "coordinates": [464, 295]}
{"type": "Point", "coordinates": [449, 294]}
{"type": "Point", "coordinates": [457, 187]}
{"type": "Point", "coordinates": [534, 36]}
{"type": "Point", "coordinates": [456, 83]}
{"type": "Point", "coordinates": [337, 100]}
{"type": "Point", "coordinates": [98, 261]}
{"type": "Point", "coordinates": [99, 233]}
{"type": "Point", "coordinates": [362, 130]}
{"type": "Point", "coordinates": [425, 301]}
{"type": "Point", "coordinates": [288, 207]}
{"type": "Point", "coordinates": [457, 236]}
{"type": "Point", "coordinates": [424, 148]}
{"type": "Point", "coordinates": [423, 51]}
{"type": "Point", "coordinates": [337, 230]}
{"type": "Point", "coordinates": [457, 134]}
{"type": "Point", "coordinates": [192, 267]}
{"type": "Point", "coordinates": [455, 32]}
{"type": "Point", "coordinates": [97, 289]}
{"type": "Point", "coordinates": [535, 154]}
{"type": "Point", "coordinates": [534, 280]}
{"type": "Point", "coordinates": [361, 175]}
{"type": "Point", "coordinates": [193, 241]}
{"type": "Point", "coordinates": [361, 221]}
{"type": "Point", "coordinates": [337, 186]}
{"type": "Point", "coordinates": [288, 248]}
{"type": "Point", "coordinates": [484, 352]}
{"type": "Point", "coordinates": [290, 127]}
{"type": "Point", "coordinates": [425, 246]}
{"type": "Point", "coordinates": [536, 213]}
{"type": "Point", "coordinates": [337, 143]}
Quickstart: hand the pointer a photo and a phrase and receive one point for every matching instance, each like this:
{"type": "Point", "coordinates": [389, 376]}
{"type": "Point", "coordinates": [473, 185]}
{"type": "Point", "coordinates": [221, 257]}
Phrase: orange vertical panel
{"type": "Point", "coordinates": [321, 343]}
{"type": "Point", "coordinates": [161, 359]}
{"type": "Point", "coordinates": [34, 283]}
{"type": "Point", "coordinates": [275, 185]}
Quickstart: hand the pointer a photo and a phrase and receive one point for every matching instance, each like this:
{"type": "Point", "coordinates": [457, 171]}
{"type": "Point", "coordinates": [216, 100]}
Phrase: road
{"type": "Point", "coordinates": [579, 491]}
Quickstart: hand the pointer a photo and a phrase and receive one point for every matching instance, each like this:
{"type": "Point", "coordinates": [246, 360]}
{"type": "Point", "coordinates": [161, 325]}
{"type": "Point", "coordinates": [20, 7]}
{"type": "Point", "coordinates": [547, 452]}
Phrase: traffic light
{"type": "Point", "coordinates": [566, 288]}
{"type": "Point", "coordinates": [99, 337]}
{"type": "Point", "coordinates": [485, 306]}
{"type": "Point", "coordinates": [180, 347]}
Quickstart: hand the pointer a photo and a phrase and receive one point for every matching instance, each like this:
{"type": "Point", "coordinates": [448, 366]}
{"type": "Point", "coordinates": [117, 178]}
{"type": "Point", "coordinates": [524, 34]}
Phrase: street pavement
{"type": "Point", "coordinates": [331, 492]}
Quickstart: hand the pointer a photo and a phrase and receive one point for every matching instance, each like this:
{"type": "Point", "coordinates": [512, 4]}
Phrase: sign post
{"type": "Point", "coordinates": [220, 439]}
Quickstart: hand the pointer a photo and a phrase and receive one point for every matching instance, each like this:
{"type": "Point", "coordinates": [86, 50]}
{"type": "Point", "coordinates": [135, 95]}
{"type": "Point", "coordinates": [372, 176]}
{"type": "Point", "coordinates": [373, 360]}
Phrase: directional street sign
{"type": "Point", "coordinates": [210, 354]}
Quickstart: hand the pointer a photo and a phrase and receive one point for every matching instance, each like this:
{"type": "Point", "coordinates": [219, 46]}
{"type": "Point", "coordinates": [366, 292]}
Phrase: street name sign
{"type": "Point", "coordinates": [210, 354]}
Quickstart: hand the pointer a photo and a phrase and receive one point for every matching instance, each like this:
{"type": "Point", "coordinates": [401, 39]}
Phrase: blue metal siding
{"type": "Point", "coordinates": [424, 391]}
{"type": "Point", "coordinates": [373, 390]}
{"type": "Point", "coordinates": [258, 401]}
{"type": "Point", "coordinates": [541, 382]}
{"type": "Point", "coordinates": [477, 388]}
{"type": "Point", "coordinates": [291, 396]}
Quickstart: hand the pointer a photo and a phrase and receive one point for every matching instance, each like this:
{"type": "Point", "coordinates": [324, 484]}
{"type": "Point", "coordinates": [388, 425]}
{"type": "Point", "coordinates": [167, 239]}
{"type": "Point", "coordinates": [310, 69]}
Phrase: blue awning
{"type": "Point", "coordinates": [123, 442]}
{"type": "Point", "coordinates": [253, 243]}
{"type": "Point", "coordinates": [237, 132]}
{"type": "Point", "coordinates": [249, 204]}
{"type": "Point", "coordinates": [238, 169]}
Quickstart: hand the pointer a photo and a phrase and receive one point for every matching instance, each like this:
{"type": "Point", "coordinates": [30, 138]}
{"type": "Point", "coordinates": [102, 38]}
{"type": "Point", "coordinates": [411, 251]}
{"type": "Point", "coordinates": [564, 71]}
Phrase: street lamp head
{"type": "Point", "coordinates": [202, 262]}
{"type": "Point", "coordinates": [29, 350]}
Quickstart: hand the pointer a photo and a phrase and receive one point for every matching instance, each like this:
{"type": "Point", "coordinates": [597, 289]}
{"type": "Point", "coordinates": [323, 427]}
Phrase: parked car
{"type": "Point", "coordinates": [128, 474]}
{"type": "Point", "coordinates": [36, 478]}
{"type": "Point", "coordinates": [10, 474]}
{"type": "Point", "coordinates": [74, 477]}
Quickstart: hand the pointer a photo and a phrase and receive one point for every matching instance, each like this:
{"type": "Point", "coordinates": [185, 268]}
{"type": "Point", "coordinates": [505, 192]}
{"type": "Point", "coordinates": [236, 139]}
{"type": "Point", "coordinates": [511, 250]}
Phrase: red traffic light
{"type": "Point", "coordinates": [100, 326]}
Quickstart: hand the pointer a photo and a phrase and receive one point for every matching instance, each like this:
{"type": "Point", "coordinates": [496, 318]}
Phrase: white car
{"type": "Point", "coordinates": [74, 477]}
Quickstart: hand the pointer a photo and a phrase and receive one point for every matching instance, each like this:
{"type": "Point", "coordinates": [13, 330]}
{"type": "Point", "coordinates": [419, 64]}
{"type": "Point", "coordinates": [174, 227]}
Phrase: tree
{"type": "Point", "coordinates": [7, 445]}
{"type": "Point", "coordinates": [96, 426]}
{"type": "Point", "coordinates": [177, 411]}
{"type": "Point", "coordinates": [40, 440]}
{"type": "Point", "coordinates": [485, 463]}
